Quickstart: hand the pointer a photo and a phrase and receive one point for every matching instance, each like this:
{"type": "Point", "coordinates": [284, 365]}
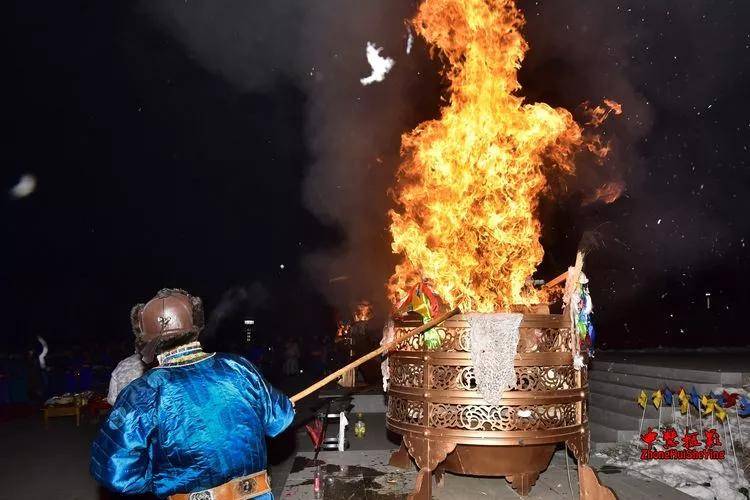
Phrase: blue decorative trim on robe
{"type": "Point", "coordinates": [188, 428]}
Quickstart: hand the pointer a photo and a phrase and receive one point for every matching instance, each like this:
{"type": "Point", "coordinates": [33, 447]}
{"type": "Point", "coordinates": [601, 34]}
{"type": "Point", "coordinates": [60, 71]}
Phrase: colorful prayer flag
{"type": "Point", "coordinates": [744, 409]}
{"type": "Point", "coordinates": [720, 413]}
{"type": "Point", "coordinates": [656, 398]}
{"type": "Point", "coordinates": [667, 396]}
{"type": "Point", "coordinates": [710, 405]}
{"type": "Point", "coordinates": [642, 400]}
{"type": "Point", "coordinates": [695, 399]}
{"type": "Point", "coordinates": [729, 399]}
{"type": "Point", "coordinates": [684, 405]}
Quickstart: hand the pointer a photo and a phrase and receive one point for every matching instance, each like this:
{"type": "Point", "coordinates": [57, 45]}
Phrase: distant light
{"type": "Point", "coordinates": [281, 266]}
{"type": "Point", "coordinates": [249, 322]}
{"type": "Point", "coordinates": [302, 371]}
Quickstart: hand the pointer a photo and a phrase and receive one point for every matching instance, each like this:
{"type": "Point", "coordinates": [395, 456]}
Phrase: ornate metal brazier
{"type": "Point", "coordinates": [446, 423]}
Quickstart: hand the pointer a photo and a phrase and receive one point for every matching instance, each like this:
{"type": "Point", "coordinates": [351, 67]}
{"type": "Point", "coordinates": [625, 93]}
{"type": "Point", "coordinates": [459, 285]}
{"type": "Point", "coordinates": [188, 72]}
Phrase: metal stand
{"type": "Point", "coordinates": [335, 412]}
{"type": "Point", "coordinates": [339, 442]}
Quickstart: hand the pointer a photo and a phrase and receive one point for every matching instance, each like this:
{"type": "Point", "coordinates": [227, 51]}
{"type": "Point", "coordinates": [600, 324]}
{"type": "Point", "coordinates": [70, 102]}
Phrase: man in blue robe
{"type": "Point", "coordinates": [193, 427]}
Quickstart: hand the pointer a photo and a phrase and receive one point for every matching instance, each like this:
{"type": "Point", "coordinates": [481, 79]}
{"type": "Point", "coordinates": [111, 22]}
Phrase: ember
{"type": "Point", "coordinates": [608, 193]}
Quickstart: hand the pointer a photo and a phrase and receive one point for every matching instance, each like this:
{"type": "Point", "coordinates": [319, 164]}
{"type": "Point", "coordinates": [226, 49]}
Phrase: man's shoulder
{"type": "Point", "coordinates": [232, 359]}
{"type": "Point", "coordinates": [138, 392]}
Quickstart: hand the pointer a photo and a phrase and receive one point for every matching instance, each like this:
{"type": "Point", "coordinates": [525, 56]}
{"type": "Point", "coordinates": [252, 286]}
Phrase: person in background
{"type": "Point", "coordinates": [34, 376]}
{"type": "Point", "coordinates": [292, 354]}
{"type": "Point", "coordinates": [124, 373]}
{"type": "Point", "coordinates": [194, 426]}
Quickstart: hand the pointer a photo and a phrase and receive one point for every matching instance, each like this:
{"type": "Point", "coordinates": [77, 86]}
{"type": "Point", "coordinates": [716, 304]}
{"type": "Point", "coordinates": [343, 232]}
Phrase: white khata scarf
{"type": "Point", "coordinates": [494, 341]}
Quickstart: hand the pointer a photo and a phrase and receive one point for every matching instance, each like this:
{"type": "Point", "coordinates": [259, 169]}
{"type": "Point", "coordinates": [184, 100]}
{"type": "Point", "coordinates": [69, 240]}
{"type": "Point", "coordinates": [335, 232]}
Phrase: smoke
{"type": "Point", "coordinates": [354, 137]}
{"type": "Point", "coordinates": [353, 131]}
{"type": "Point", "coordinates": [251, 44]}
{"type": "Point", "coordinates": [232, 302]}
{"type": "Point", "coordinates": [669, 66]}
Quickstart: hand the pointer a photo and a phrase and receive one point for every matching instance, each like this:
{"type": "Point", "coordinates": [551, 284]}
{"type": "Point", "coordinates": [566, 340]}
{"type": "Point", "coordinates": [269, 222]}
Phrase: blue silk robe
{"type": "Point", "coordinates": [187, 428]}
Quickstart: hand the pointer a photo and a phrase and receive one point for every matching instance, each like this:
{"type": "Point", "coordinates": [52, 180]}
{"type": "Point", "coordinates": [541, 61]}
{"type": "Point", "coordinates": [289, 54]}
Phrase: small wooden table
{"type": "Point", "coordinates": [69, 410]}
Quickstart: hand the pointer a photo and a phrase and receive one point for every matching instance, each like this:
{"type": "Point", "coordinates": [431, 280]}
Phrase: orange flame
{"type": "Point", "coordinates": [363, 311]}
{"type": "Point", "coordinates": [602, 112]}
{"type": "Point", "coordinates": [608, 193]}
{"type": "Point", "coordinates": [469, 185]}
{"type": "Point", "coordinates": [342, 329]}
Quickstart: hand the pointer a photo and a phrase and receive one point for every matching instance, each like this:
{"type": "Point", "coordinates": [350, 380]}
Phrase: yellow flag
{"type": "Point", "coordinates": [684, 405]}
{"type": "Point", "coordinates": [710, 405]}
{"type": "Point", "coordinates": [720, 413]}
{"type": "Point", "coordinates": [642, 399]}
{"type": "Point", "coordinates": [682, 396]}
{"type": "Point", "coordinates": [656, 398]}
{"type": "Point", "coordinates": [704, 400]}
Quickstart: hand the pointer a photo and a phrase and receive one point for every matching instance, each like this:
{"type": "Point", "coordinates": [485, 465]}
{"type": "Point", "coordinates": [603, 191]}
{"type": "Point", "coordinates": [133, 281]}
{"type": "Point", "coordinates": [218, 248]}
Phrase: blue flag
{"type": "Point", "coordinates": [744, 408]}
{"type": "Point", "coordinates": [720, 400]}
{"type": "Point", "coordinates": [695, 399]}
{"type": "Point", "coordinates": [667, 396]}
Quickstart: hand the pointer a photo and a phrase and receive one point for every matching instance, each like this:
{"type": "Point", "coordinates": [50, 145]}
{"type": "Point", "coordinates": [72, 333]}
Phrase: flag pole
{"type": "Point", "coordinates": [640, 429]}
{"type": "Point", "coordinates": [736, 462]}
{"type": "Point", "coordinates": [739, 428]}
{"type": "Point", "coordinates": [658, 425]}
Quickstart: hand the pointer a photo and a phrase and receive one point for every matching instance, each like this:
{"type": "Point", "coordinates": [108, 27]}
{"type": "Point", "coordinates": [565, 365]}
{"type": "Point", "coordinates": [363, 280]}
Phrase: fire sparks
{"type": "Point", "coordinates": [608, 193]}
{"type": "Point", "coordinates": [469, 185]}
{"type": "Point", "coordinates": [600, 113]}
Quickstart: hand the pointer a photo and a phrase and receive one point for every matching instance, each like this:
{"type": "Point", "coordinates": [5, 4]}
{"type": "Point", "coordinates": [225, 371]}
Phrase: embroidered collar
{"type": "Point", "coordinates": [181, 355]}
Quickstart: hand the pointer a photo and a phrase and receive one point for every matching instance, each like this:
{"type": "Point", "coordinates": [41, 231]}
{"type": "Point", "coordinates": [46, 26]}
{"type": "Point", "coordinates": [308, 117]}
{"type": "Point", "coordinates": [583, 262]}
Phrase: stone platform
{"type": "Point", "coordinates": [362, 472]}
{"type": "Point", "coordinates": [366, 475]}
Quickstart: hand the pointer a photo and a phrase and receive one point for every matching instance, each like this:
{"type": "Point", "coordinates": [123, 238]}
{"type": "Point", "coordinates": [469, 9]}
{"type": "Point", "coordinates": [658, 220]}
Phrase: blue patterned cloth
{"type": "Point", "coordinates": [181, 429]}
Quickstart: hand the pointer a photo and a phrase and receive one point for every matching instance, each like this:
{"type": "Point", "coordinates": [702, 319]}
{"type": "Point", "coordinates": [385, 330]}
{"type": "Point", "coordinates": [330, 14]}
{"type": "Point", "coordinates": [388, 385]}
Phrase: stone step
{"type": "Point", "coordinates": [629, 407]}
{"type": "Point", "coordinates": [718, 378]}
{"type": "Point", "coordinates": [603, 437]}
{"type": "Point", "coordinates": [619, 421]}
{"type": "Point", "coordinates": [624, 392]}
{"type": "Point", "coordinates": [649, 383]}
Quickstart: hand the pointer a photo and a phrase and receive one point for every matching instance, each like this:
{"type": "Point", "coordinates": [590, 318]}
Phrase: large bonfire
{"type": "Point", "coordinates": [469, 185]}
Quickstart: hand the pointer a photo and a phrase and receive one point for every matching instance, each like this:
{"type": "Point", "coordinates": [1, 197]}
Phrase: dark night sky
{"type": "Point", "coordinates": [160, 163]}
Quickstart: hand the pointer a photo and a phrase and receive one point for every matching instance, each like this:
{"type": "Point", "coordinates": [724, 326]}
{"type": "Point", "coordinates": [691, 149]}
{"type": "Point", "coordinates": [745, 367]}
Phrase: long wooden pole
{"type": "Point", "coordinates": [377, 352]}
{"type": "Point", "coordinates": [555, 281]}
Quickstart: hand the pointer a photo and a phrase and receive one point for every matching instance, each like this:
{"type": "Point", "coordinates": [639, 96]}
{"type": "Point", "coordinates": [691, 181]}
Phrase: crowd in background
{"type": "Point", "coordinates": [31, 375]}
